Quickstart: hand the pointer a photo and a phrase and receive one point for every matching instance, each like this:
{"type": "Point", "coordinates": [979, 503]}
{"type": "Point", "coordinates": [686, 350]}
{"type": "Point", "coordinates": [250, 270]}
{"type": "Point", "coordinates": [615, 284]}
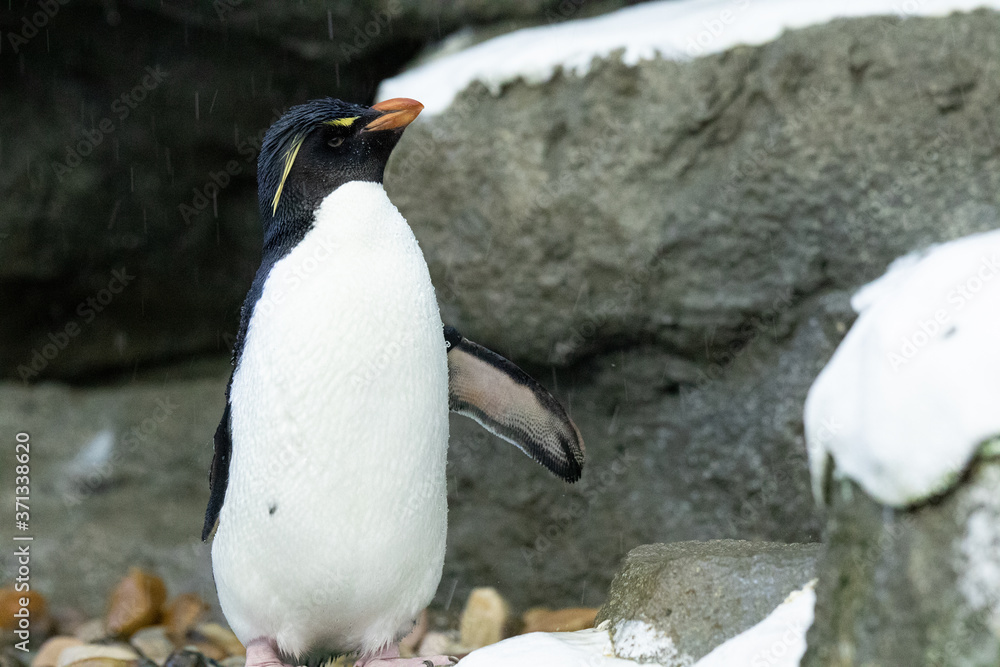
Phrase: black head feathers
{"type": "Point", "coordinates": [318, 146]}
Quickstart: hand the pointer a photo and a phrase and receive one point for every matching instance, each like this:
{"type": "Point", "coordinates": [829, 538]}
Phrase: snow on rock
{"type": "Point", "coordinates": [777, 641]}
{"type": "Point", "coordinates": [549, 649]}
{"type": "Point", "coordinates": [979, 578]}
{"type": "Point", "coordinates": [676, 30]}
{"type": "Point", "coordinates": [644, 643]}
{"type": "Point", "coordinates": [911, 393]}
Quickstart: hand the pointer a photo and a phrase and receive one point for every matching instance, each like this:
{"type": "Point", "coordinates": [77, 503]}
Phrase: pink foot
{"type": "Point", "coordinates": [389, 657]}
{"type": "Point", "coordinates": [261, 653]}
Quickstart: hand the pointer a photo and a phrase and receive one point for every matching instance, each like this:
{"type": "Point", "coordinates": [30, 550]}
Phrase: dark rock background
{"type": "Point", "coordinates": [227, 69]}
{"type": "Point", "coordinates": [670, 247]}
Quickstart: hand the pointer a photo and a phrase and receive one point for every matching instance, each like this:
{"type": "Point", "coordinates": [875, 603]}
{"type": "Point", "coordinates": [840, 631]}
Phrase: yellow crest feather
{"type": "Point", "coordinates": [293, 150]}
{"type": "Point", "coordinates": [343, 122]}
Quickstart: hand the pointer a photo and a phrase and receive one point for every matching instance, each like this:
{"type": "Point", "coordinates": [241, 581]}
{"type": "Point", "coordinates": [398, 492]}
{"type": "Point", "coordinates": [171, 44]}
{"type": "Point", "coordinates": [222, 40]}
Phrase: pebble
{"type": "Point", "coordinates": [135, 603]}
{"type": "Point", "coordinates": [10, 603]}
{"type": "Point", "coordinates": [182, 614]}
{"type": "Point", "coordinates": [91, 631]}
{"type": "Point", "coordinates": [187, 657]}
{"type": "Point", "coordinates": [153, 643]}
{"type": "Point", "coordinates": [439, 643]}
{"type": "Point", "coordinates": [49, 652]}
{"type": "Point", "coordinates": [484, 619]}
{"type": "Point", "coordinates": [541, 619]}
{"type": "Point", "coordinates": [97, 655]}
{"type": "Point", "coordinates": [222, 638]}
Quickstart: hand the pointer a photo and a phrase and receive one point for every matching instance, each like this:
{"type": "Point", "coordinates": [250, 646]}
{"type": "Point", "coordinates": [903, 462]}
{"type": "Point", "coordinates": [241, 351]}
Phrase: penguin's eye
{"type": "Point", "coordinates": [336, 141]}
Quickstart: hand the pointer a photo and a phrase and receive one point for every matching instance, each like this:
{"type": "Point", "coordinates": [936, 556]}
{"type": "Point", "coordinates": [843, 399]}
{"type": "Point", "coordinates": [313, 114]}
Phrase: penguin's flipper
{"type": "Point", "coordinates": [218, 478]}
{"type": "Point", "coordinates": [510, 404]}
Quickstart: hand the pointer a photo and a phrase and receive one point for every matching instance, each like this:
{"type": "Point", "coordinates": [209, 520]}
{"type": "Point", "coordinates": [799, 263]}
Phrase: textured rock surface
{"type": "Point", "coordinates": [699, 594]}
{"type": "Point", "coordinates": [917, 587]}
{"type": "Point", "coordinates": [140, 505]}
{"type": "Point", "coordinates": [99, 156]}
{"type": "Point", "coordinates": [675, 203]}
{"type": "Point", "coordinates": [695, 292]}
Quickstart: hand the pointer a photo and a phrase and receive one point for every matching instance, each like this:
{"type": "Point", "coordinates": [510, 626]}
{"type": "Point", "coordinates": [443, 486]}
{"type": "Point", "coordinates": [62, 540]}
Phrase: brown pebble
{"type": "Point", "coordinates": [181, 615]}
{"type": "Point", "coordinates": [102, 662]}
{"type": "Point", "coordinates": [484, 619]}
{"type": "Point", "coordinates": [10, 604]}
{"type": "Point", "coordinates": [48, 653]}
{"type": "Point", "coordinates": [153, 643]}
{"type": "Point", "coordinates": [221, 637]}
{"type": "Point", "coordinates": [207, 649]}
{"type": "Point", "coordinates": [91, 631]}
{"type": "Point", "coordinates": [97, 655]}
{"type": "Point", "coordinates": [437, 643]}
{"type": "Point", "coordinates": [572, 619]}
{"type": "Point", "coordinates": [135, 602]}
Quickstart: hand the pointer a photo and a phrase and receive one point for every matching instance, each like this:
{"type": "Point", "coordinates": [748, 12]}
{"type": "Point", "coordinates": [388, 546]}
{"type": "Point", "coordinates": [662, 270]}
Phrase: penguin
{"type": "Point", "coordinates": [327, 487]}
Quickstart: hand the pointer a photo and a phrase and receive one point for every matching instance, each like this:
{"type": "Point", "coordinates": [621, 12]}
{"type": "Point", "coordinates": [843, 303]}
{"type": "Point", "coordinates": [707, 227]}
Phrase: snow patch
{"type": "Point", "coordinates": [639, 641]}
{"type": "Point", "coordinates": [910, 394]}
{"type": "Point", "coordinates": [777, 641]}
{"type": "Point", "coordinates": [674, 30]}
{"type": "Point", "coordinates": [585, 648]}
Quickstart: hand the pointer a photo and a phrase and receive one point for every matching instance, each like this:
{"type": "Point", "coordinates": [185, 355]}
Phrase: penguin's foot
{"type": "Point", "coordinates": [389, 657]}
{"type": "Point", "coordinates": [261, 653]}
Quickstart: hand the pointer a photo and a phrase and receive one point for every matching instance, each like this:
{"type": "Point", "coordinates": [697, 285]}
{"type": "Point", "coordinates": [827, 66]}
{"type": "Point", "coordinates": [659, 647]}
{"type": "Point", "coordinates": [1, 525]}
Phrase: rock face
{"type": "Point", "coordinates": [679, 204]}
{"type": "Point", "coordinates": [911, 587]}
{"type": "Point", "coordinates": [685, 237]}
{"type": "Point", "coordinates": [141, 502]}
{"type": "Point", "coordinates": [694, 596]}
{"type": "Point", "coordinates": [677, 241]}
{"type": "Point", "coordinates": [130, 146]}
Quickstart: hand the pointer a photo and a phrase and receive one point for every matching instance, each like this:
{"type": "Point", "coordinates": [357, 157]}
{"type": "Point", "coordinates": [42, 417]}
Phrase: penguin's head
{"type": "Point", "coordinates": [318, 146]}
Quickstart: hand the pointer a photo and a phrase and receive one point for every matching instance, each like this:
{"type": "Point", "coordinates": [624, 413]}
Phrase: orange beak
{"type": "Point", "coordinates": [397, 113]}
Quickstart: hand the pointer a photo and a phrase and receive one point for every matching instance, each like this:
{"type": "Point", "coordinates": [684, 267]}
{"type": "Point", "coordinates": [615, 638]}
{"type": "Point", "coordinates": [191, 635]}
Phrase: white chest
{"type": "Point", "coordinates": [339, 428]}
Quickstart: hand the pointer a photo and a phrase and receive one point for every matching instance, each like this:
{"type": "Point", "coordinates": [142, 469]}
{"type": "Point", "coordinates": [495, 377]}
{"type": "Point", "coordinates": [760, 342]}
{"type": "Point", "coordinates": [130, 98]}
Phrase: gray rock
{"type": "Point", "coordinates": [678, 204]}
{"type": "Point", "coordinates": [699, 594]}
{"type": "Point", "coordinates": [911, 587]}
{"type": "Point", "coordinates": [145, 504]}
{"type": "Point", "coordinates": [106, 167]}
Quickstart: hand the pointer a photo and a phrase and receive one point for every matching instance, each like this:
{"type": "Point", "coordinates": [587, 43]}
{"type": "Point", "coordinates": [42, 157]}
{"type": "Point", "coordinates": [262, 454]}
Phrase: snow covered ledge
{"type": "Point", "coordinates": [906, 412]}
{"type": "Point", "coordinates": [676, 30]}
{"type": "Point", "coordinates": [777, 641]}
{"type": "Point", "coordinates": [912, 392]}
